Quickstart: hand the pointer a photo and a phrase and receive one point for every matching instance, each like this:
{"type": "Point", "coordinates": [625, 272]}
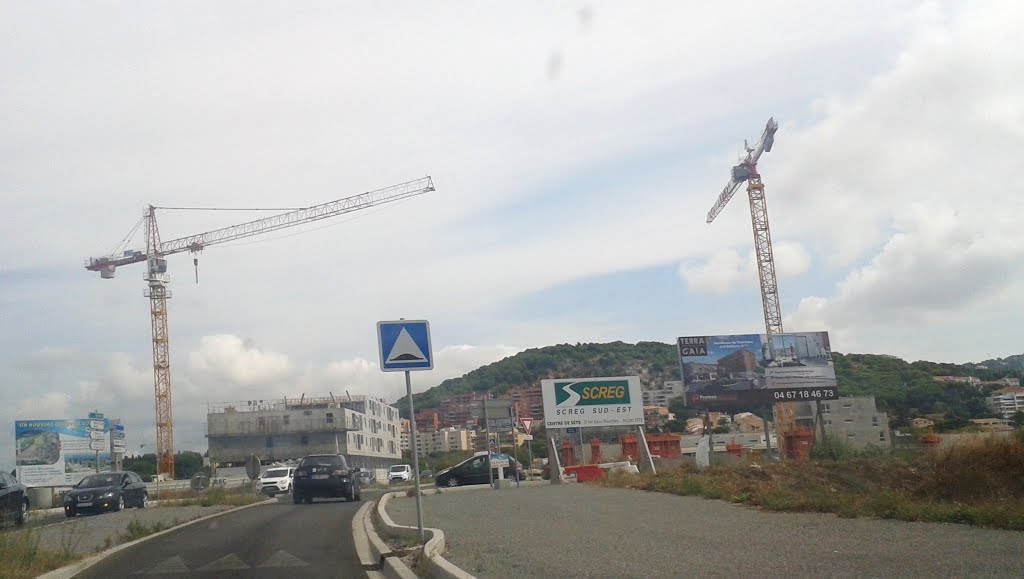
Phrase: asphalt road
{"type": "Point", "coordinates": [275, 540]}
{"type": "Point", "coordinates": [577, 530]}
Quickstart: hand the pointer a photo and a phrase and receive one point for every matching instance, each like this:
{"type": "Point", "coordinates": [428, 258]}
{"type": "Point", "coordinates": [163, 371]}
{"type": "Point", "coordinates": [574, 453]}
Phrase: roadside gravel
{"type": "Point", "coordinates": [88, 534]}
{"type": "Point", "coordinates": [578, 530]}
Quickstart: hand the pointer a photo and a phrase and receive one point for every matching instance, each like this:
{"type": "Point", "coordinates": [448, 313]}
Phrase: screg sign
{"type": "Point", "coordinates": [583, 402]}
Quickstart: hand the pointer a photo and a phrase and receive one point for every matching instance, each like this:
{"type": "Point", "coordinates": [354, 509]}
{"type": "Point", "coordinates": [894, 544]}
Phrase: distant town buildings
{"type": "Point", "coordinates": [747, 422]}
{"type": "Point", "coordinates": [1007, 401]}
{"type": "Point", "coordinates": [991, 424]}
{"type": "Point", "coordinates": [669, 391]}
{"type": "Point", "coordinates": [921, 423]}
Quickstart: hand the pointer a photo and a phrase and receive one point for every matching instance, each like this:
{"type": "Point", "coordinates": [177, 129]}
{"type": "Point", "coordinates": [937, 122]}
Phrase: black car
{"type": "Point", "coordinates": [325, 475]}
{"type": "Point", "coordinates": [473, 471]}
{"type": "Point", "coordinates": [13, 500]}
{"type": "Point", "coordinates": [107, 491]}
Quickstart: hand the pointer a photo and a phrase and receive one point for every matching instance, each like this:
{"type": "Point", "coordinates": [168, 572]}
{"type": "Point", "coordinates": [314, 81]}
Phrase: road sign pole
{"type": "Point", "coordinates": [415, 457]}
{"type": "Point", "coordinates": [487, 433]}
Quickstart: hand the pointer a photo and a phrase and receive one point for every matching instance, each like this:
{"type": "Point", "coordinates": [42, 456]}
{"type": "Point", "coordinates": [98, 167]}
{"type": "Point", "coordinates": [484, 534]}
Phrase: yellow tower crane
{"type": "Point", "coordinates": [156, 277]}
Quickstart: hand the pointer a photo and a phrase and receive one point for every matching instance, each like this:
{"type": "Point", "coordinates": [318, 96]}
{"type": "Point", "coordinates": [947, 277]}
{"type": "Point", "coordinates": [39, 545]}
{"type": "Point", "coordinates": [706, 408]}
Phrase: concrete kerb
{"type": "Point", "coordinates": [73, 569]}
{"type": "Point", "coordinates": [435, 546]}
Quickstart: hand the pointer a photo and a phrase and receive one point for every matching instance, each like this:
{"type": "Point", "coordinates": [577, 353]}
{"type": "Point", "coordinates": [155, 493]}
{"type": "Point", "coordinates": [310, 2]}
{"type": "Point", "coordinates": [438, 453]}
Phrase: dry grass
{"type": "Point", "coordinates": [978, 483]}
{"type": "Point", "coordinates": [234, 497]}
{"type": "Point", "coordinates": [21, 556]}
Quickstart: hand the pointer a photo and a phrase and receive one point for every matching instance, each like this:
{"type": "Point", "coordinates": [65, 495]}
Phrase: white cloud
{"type": "Point", "coordinates": [228, 359]}
{"type": "Point", "coordinates": [725, 270]}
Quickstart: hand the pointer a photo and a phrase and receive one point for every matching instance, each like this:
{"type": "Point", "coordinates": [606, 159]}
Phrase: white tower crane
{"type": "Point", "coordinates": [746, 170]}
{"type": "Point", "coordinates": [157, 279]}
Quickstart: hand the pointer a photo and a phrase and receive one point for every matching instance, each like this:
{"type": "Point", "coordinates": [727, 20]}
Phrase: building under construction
{"type": "Point", "coordinates": [365, 429]}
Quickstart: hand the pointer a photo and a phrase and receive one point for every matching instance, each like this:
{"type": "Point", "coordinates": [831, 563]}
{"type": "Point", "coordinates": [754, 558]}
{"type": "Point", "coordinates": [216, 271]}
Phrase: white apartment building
{"type": "Point", "coordinates": [670, 390]}
{"type": "Point", "coordinates": [1007, 402]}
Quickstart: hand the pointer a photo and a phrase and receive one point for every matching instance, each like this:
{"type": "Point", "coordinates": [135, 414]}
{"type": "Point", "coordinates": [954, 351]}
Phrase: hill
{"type": "Point", "coordinates": [901, 388]}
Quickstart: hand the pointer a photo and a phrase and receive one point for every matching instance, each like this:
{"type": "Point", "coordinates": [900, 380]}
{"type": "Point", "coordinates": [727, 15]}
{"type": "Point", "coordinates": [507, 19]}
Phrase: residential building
{"type": "Point", "coordinates": [669, 391]}
{"type": "Point", "coordinates": [747, 422]}
{"type": "Point", "coordinates": [921, 423]}
{"type": "Point", "coordinates": [458, 410]}
{"type": "Point", "coordinates": [428, 420]}
{"type": "Point", "coordinates": [526, 402]}
{"type": "Point", "coordinates": [992, 424]}
{"type": "Point", "coordinates": [1007, 401]}
{"type": "Point", "coordinates": [367, 430]}
{"type": "Point", "coordinates": [1005, 382]}
{"type": "Point", "coordinates": [657, 416]}
{"type": "Point", "coordinates": [405, 426]}
{"type": "Point", "coordinates": [694, 425]}
{"type": "Point", "coordinates": [448, 439]}
{"type": "Point", "coordinates": [854, 420]}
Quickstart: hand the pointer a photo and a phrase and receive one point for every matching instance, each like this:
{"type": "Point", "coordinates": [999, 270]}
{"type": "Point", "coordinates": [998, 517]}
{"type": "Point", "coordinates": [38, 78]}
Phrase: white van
{"type": "Point", "coordinates": [399, 473]}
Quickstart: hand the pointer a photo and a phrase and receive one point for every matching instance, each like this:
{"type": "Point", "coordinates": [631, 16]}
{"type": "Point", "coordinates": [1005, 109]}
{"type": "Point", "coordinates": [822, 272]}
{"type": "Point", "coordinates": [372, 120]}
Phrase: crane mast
{"type": "Point", "coordinates": [746, 170]}
{"type": "Point", "coordinates": [156, 278]}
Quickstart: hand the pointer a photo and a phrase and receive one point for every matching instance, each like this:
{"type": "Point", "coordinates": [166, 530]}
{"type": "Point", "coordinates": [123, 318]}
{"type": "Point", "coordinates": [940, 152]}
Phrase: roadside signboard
{"type": "Point", "coordinates": [97, 445]}
{"type": "Point", "coordinates": [499, 462]}
{"type": "Point", "coordinates": [527, 424]}
{"type": "Point", "coordinates": [571, 430]}
{"type": "Point", "coordinates": [95, 434]}
{"type": "Point", "coordinates": [55, 452]}
{"type": "Point", "coordinates": [119, 442]}
{"type": "Point", "coordinates": [527, 437]}
{"type": "Point", "coordinates": [589, 402]}
{"type": "Point", "coordinates": [404, 345]}
{"type": "Point", "coordinates": [95, 424]}
{"type": "Point", "coordinates": [745, 370]}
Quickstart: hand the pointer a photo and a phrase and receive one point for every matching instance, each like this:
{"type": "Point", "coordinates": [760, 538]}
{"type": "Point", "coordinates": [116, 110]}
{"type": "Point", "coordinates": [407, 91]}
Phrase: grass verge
{"type": "Point", "coordinates": [234, 497]}
{"type": "Point", "coordinates": [979, 484]}
{"type": "Point", "coordinates": [21, 556]}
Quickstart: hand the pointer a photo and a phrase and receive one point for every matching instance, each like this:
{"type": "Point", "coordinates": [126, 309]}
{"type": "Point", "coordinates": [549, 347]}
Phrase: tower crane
{"type": "Point", "coordinates": [157, 280]}
{"type": "Point", "coordinates": [746, 170]}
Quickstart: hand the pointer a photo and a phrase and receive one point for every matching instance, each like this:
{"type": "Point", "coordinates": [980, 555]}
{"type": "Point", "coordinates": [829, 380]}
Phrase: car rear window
{"type": "Point", "coordinates": [276, 473]}
{"type": "Point", "coordinates": [326, 460]}
{"type": "Point", "coordinates": [400, 468]}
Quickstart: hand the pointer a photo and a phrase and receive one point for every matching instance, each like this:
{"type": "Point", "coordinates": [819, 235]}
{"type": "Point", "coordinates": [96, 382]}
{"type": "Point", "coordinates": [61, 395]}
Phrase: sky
{"type": "Point", "coordinates": [575, 149]}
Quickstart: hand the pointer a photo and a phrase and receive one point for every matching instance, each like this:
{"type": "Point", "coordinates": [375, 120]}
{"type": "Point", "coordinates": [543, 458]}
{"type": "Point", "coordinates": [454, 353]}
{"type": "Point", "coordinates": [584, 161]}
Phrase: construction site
{"type": "Point", "coordinates": [366, 429]}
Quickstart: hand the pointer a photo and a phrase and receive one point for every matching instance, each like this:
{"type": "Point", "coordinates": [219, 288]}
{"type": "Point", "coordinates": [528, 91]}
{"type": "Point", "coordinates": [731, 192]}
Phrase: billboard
{"type": "Point", "coordinates": [745, 370]}
{"type": "Point", "coordinates": [57, 452]}
{"type": "Point", "coordinates": [587, 402]}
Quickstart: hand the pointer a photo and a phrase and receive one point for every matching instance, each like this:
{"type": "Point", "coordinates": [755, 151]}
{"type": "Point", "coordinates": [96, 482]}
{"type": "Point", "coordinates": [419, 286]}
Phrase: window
{"type": "Point", "coordinates": [330, 417]}
{"type": "Point", "coordinates": [304, 439]}
{"type": "Point", "coordinates": [881, 436]}
{"type": "Point", "coordinates": [850, 435]}
{"type": "Point", "coordinates": [270, 442]}
{"type": "Point", "coordinates": [307, 413]}
{"type": "Point", "coordinates": [874, 421]}
{"type": "Point", "coordinates": [286, 419]}
{"type": "Point", "coordinates": [261, 422]}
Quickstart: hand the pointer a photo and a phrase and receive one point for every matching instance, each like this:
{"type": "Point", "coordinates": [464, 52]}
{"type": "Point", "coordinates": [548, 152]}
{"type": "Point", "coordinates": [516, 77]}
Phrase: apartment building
{"type": "Point", "coordinates": [1007, 401]}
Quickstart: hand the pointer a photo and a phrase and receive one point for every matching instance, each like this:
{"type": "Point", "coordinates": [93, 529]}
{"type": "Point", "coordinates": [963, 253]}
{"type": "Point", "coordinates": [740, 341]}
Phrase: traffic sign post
{"type": "Point", "coordinates": [96, 428]}
{"type": "Point", "coordinates": [527, 424]}
{"type": "Point", "coordinates": [404, 346]}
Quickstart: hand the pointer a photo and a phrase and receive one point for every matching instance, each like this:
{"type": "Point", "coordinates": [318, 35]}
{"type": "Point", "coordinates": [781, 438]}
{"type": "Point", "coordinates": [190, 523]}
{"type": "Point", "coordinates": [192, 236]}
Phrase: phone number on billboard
{"type": "Point", "coordinates": [805, 394]}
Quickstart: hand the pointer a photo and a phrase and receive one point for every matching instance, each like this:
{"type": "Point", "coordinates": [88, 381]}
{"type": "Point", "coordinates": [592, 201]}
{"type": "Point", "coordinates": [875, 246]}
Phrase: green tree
{"type": "Point", "coordinates": [1017, 419]}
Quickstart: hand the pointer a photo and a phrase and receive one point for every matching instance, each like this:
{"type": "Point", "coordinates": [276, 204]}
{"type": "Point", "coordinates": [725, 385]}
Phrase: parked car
{"type": "Point", "coordinates": [473, 471]}
{"type": "Point", "coordinates": [13, 500]}
{"type": "Point", "coordinates": [426, 474]}
{"type": "Point", "coordinates": [107, 491]}
{"type": "Point", "coordinates": [366, 476]}
{"type": "Point", "coordinates": [325, 475]}
{"type": "Point", "coordinates": [276, 480]}
{"type": "Point", "coordinates": [399, 473]}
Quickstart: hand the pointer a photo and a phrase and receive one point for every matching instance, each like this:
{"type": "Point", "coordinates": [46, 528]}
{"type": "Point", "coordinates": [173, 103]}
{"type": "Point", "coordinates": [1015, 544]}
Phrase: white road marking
{"type": "Point", "coordinates": [230, 561]}
{"type": "Point", "coordinates": [284, 559]}
{"type": "Point", "coordinates": [172, 565]}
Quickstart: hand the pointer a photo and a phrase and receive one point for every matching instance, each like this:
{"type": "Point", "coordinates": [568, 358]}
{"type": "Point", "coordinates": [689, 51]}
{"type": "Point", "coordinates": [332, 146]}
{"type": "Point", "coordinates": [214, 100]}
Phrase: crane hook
{"type": "Point", "coordinates": [195, 263]}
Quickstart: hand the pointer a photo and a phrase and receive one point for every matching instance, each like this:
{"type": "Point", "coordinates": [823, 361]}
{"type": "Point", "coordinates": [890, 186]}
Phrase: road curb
{"type": "Point", "coordinates": [435, 546]}
{"type": "Point", "coordinates": [73, 569]}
